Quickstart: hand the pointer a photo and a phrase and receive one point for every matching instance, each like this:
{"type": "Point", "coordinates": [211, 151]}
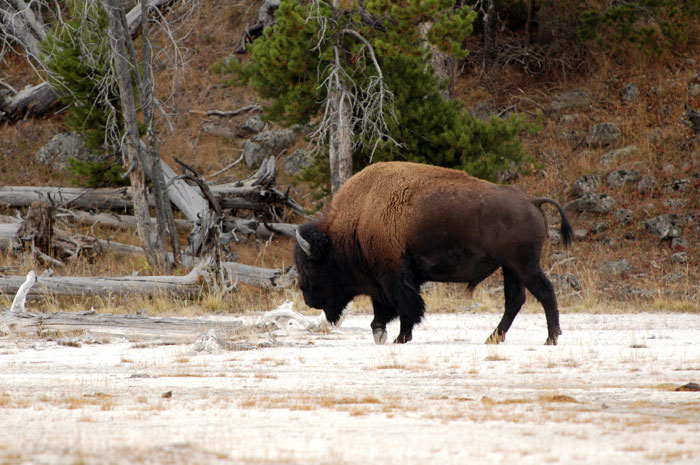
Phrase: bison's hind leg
{"type": "Point", "coordinates": [541, 287]}
{"type": "Point", "coordinates": [514, 290]}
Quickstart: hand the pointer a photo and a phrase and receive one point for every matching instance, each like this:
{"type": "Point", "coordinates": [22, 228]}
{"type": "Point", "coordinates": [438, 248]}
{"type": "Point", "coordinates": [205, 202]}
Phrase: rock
{"type": "Point", "coordinates": [624, 216]}
{"type": "Point", "coordinates": [629, 92]}
{"type": "Point", "coordinates": [62, 147]}
{"type": "Point", "coordinates": [679, 185]}
{"type": "Point", "coordinates": [586, 184]}
{"type": "Point", "coordinates": [646, 184]}
{"type": "Point", "coordinates": [679, 243]}
{"type": "Point", "coordinates": [252, 125]}
{"type": "Point", "coordinates": [265, 144]}
{"type": "Point", "coordinates": [603, 134]}
{"type": "Point", "coordinates": [621, 177]}
{"type": "Point", "coordinates": [580, 234]}
{"type": "Point", "coordinates": [483, 111]}
{"type": "Point", "coordinates": [570, 99]}
{"type": "Point", "coordinates": [615, 267]}
{"type": "Point", "coordinates": [655, 135]}
{"type": "Point", "coordinates": [509, 174]}
{"type": "Point", "coordinates": [679, 257]}
{"type": "Point", "coordinates": [565, 281]}
{"type": "Point", "coordinates": [674, 203]}
{"type": "Point", "coordinates": [693, 90]}
{"type": "Point", "coordinates": [297, 161]}
{"type": "Point", "coordinates": [600, 227]}
{"type": "Point", "coordinates": [614, 155]}
{"type": "Point", "coordinates": [674, 277]}
{"type": "Point", "coordinates": [690, 387]}
{"type": "Point", "coordinates": [570, 135]}
{"type": "Point", "coordinates": [628, 292]}
{"type": "Point", "coordinates": [665, 227]}
{"type": "Point", "coordinates": [592, 203]}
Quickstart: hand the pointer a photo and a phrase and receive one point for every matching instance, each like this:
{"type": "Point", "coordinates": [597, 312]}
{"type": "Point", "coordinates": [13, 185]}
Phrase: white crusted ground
{"type": "Point", "coordinates": [604, 395]}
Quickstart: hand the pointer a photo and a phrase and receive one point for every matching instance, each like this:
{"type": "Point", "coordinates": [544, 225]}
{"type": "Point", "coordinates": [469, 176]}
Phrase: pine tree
{"type": "Point", "coordinates": [292, 60]}
{"type": "Point", "coordinates": [78, 58]}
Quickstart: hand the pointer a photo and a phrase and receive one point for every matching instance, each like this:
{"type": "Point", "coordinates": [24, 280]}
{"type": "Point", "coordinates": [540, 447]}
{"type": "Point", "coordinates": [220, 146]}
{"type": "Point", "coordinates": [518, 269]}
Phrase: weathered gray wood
{"type": "Point", "coordinates": [271, 278]}
{"type": "Point", "coordinates": [186, 198]}
{"type": "Point", "coordinates": [141, 328]}
{"type": "Point", "coordinates": [228, 195]}
{"type": "Point", "coordinates": [103, 286]}
{"type": "Point", "coordinates": [8, 235]}
{"type": "Point", "coordinates": [30, 101]}
{"type": "Point", "coordinates": [133, 17]}
{"type": "Point", "coordinates": [113, 220]}
{"type": "Point", "coordinates": [146, 285]}
{"type": "Point", "coordinates": [38, 99]}
{"type": "Point", "coordinates": [101, 199]}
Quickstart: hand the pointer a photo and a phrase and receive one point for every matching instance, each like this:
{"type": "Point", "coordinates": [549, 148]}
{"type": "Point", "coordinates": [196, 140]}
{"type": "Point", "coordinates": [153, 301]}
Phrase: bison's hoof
{"type": "Point", "coordinates": [550, 341]}
{"type": "Point", "coordinates": [379, 335]}
{"type": "Point", "coordinates": [403, 338]}
{"type": "Point", "coordinates": [496, 338]}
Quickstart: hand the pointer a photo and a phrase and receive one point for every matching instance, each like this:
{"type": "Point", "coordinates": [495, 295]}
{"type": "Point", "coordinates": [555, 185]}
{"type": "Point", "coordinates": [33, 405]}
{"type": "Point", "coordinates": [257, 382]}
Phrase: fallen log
{"type": "Point", "coordinates": [141, 328]}
{"type": "Point", "coordinates": [29, 102]}
{"type": "Point", "coordinates": [77, 328]}
{"type": "Point", "coordinates": [112, 220]}
{"type": "Point", "coordinates": [91, 286]}
{"type": "Point", "coordinates": [228, 195]}
{"type": "Point", "coordinates": [76, 197]}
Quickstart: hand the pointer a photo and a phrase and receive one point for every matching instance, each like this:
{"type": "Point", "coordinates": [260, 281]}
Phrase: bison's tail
{"type": "Point", "coordinates": [567, 232]}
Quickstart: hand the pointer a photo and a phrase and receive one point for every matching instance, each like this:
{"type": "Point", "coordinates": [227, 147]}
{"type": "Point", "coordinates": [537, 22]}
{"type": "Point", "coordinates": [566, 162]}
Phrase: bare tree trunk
{"type": "Point", "coordinates": [490, 29]}
{"type": "Point", "coordinates": [19, 22]}
{"type": "Point", "coordinates": [443, 64]}
{"type": "Point", "coordinates": [21, 26]}
{"type": "Point", "coordinates": [117, 36]}
{"type": "Point", "coordinates": [164, 212]}
{"type": "Point", "coordinates": [528, 24]}
{"type": "Point", "coordinates": [340, 147]}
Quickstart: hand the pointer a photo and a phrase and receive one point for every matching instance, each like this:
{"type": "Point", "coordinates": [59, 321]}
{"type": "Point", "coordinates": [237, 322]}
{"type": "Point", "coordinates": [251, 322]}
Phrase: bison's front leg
{"type": "Point", "coordinates": [379, 332]}
{"type": "Point", "coordinates": [382, 315]}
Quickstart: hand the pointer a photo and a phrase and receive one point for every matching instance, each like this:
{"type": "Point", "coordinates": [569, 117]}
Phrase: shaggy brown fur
{"type": "Point", "coordinates": [396, 225]}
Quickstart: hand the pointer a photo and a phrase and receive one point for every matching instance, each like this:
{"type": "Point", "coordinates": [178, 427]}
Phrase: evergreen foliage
{"type": "Point", "coordinates": [97, 174]}
{"type": "Point", "coordinates": [78, 56]}
{"type": "Point", "coordinates": [653, 25]}
{"type": "Point", "coordinates": [292, 59]}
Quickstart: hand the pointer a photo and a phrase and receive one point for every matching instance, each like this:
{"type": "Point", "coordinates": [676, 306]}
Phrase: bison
{"type": "Point", "coordinates": [395, 225]}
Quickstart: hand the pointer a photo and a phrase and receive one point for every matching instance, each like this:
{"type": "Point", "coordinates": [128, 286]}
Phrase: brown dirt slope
{"type": "Point", "coordinates": [651, 122]}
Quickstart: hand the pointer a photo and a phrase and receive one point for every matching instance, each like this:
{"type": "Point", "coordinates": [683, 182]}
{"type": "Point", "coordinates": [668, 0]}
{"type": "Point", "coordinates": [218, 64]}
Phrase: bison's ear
{"type": "Point", "coordinates": [312, 241]}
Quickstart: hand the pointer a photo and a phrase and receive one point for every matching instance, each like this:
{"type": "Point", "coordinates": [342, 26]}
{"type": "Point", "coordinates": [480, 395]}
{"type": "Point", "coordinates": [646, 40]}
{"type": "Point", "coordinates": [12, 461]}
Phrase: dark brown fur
{"type": "Point", "coordinates": [394, 226]}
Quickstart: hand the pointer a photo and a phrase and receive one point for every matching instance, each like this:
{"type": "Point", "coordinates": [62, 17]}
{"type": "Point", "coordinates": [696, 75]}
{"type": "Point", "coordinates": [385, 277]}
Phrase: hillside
{"type": "Point", "coordinates": [616, 262]}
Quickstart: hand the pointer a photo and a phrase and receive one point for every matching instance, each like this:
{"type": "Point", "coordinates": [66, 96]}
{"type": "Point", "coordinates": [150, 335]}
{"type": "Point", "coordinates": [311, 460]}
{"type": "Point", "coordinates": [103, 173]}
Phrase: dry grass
{"type": "Point", "coordinates": [355, 406]}
{"type": "Point", "coordinates": [659, 108]}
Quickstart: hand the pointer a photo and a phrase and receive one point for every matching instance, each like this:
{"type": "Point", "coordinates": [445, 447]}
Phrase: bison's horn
{"type": "Point", "coordinates": [303, 243]}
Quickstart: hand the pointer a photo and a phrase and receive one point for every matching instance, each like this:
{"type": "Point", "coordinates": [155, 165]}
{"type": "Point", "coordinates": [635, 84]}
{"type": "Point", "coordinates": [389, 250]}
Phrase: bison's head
{"type": "Point", "coordinates": [321, 279]}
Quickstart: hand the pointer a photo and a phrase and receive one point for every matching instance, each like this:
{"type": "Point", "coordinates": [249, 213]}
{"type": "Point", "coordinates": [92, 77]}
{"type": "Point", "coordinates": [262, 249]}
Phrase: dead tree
{"type": "Point", "coordinates": [350, 108]}
{"type": "Point", "coordinates": [155, 249]}
{"type": "Point", "coordinates": [37, 227]}
{"type": "Point", "coordinates": [266, 17]}
{"type": "Point", "coordinates": [22, 29]}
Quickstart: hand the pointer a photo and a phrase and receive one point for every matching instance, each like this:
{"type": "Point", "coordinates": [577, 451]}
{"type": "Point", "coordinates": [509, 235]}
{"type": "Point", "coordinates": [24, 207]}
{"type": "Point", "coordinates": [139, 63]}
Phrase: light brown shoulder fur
{"type": "Point", "coordinates": [373, 207]}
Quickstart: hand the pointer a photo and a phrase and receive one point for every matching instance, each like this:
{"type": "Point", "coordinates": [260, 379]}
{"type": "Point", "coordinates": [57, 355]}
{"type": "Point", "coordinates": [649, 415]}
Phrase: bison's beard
{"type": "Point", "coordinates": [335, 309]}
